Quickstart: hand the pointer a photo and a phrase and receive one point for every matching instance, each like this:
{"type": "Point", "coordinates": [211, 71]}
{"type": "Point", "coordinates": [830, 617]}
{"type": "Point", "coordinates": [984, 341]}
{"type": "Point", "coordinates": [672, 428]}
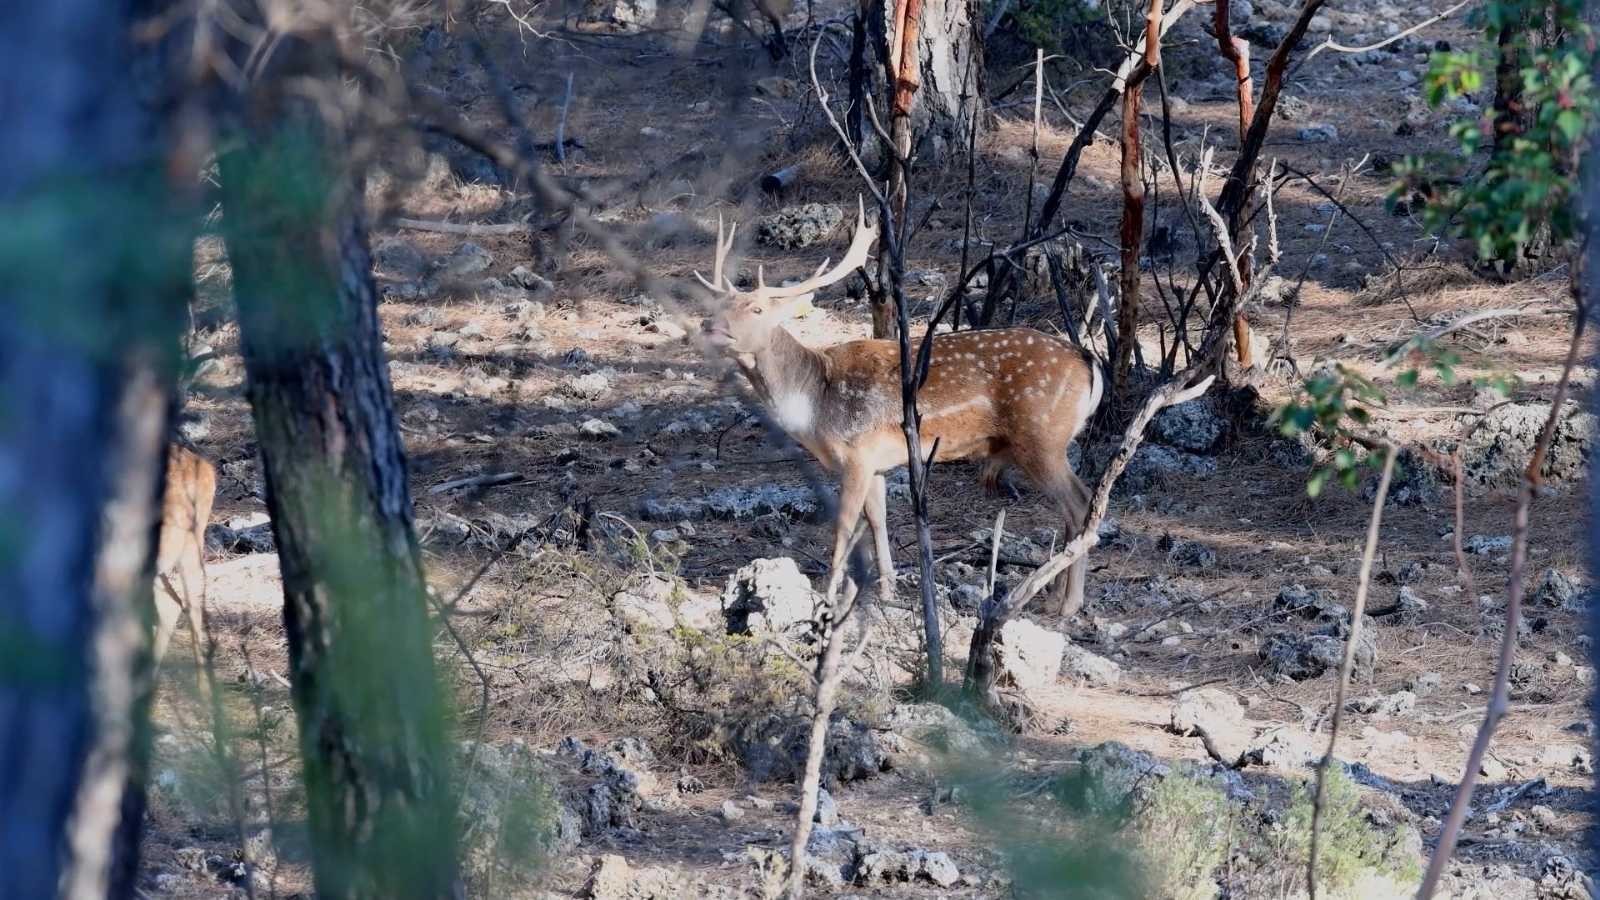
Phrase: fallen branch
{"type": "Point", "coordinates": [1363, 581]}
{"type": "Point", "coordinates": [469, 229]}
{"type": "Point", "coordinates": [1458, 323]}
{"type": "Point", "coordinates": [1329, 43]}
{"type": "Point", "coordinates": [475, 481]}
{"type": "Point", "coordinates": [1496, 709]}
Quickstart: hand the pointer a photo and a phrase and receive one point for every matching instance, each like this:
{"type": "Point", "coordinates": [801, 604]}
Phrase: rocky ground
{"type": "Point", "coordinates": [630, 712]}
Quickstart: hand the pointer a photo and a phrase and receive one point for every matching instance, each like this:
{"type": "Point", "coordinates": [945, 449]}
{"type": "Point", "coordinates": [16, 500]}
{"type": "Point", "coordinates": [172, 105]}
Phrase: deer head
{"type": "Point", "coordinates": [747, 321]}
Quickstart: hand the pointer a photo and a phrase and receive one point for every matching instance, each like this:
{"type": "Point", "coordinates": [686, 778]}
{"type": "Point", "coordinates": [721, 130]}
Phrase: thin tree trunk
{"type": "Point", "coordinates": [371, 712]}
{"type": "Point", "coordinates": [1132, 232]}
{"type": "Point", "coordinates": [95, 263]}
{"type": "Point", "coordinates": [1237, 51]}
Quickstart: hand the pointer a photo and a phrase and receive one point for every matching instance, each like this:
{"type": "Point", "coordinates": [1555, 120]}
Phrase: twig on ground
{"type": "Point", "coordinates": [1356, 615]}
{"type": "Point", "coordinates": [1460, 322]}
{"type": "Point", "coordinates": [488, 480]}
{"type": "Point", "coordinates": [1515, 794]}
{"type": "Point", "coordinates": [467, 229]}
{"type": "Point", "coordinates": [561, 125]}
{"type": "Point", "coordinates": [1496, 708]}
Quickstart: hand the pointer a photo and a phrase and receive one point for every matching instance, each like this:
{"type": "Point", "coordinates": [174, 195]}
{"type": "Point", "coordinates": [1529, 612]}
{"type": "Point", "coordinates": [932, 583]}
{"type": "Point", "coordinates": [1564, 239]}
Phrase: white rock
{"type": "Point", "coordinates": [1030, 654]}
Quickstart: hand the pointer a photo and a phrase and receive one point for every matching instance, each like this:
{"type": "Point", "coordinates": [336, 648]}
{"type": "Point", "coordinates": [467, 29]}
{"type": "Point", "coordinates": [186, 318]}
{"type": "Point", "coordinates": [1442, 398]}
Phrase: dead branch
{"type": "Point", "coordinates": [1126, 72]}
{"type": "Point", "coordinates": [468, 229]}
{"type": "Point", "coordinates": [475, 481]}
{"type": "Point", "coordinates": [1460, 322]}
{"type": "Point", "coordinates": [1239, 183]}
{"type": "Point", "coordinates": [828, 676]}
{"type": "Point", "coordinates": [1496, 708]}
{"type": "Point", "coordinates": [561, 126]}
{"type": "Point", "coordinates": [1358, 612]}
{"type": "Point", "coordinates": [1329, 43]}
{"type": "Point", "coordinates": [1132, 230]}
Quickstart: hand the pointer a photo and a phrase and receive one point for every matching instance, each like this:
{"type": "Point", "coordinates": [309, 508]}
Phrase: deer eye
{"type": "Point", "coordinates": [757, 311]}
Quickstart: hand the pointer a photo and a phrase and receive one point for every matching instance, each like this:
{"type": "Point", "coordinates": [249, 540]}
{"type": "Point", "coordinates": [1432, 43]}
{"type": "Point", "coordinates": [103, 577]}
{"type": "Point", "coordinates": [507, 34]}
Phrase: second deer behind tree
{"type": "Point", "coordinates": [1012, 397]}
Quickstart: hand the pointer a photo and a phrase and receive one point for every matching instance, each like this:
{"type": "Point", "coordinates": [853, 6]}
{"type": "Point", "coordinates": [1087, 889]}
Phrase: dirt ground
{"type": "Point", "coordinates": [485, 385]}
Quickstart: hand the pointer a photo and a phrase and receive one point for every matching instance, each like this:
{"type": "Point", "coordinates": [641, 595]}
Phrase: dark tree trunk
{"type": "Point", "coordinates": [1589, 283]}
{"type": "Point", "coordinates": [371, 711]}
{"type": "Point", "coordinates": [95, 260]}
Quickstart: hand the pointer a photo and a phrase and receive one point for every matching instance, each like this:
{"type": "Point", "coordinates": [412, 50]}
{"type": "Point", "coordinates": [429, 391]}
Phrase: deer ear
{"type": "Point", "coordinates": [795, 307]}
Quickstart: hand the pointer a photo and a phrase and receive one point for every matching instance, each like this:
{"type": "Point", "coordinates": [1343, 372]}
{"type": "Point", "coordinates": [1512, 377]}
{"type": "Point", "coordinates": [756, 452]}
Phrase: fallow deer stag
{"type": "Point", "coordinates": [1012, 397]}
{"type": "Point", "coordinates": [180, 557]}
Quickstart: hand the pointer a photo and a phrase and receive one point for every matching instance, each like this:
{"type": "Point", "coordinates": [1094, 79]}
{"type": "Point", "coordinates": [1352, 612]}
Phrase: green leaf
{"type": "Point", "coordinates": [1319, 478]}
{"type": "Point", "coordinates": [1407, 379]}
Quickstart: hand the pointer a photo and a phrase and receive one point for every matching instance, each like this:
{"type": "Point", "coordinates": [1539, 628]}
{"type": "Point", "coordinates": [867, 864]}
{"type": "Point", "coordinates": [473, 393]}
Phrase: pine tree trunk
{"type": "Point", "coordinates": [370, 709]}
{"type": "Point", "coordinates": [96, 261]}
{"type": "Point", "coordinates": [949, 94]}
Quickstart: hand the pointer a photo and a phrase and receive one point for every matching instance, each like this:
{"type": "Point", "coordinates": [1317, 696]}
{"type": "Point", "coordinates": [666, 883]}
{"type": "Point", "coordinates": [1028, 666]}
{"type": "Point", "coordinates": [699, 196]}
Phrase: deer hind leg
{"type": "Point", "coordinates": [192, 573]}
{"type": "Point", "coordinates": [1055, 477]}
{"type": "Point", "coordinates": [877, 509]}
{"type": "Point", "coordinates": [169, 605]}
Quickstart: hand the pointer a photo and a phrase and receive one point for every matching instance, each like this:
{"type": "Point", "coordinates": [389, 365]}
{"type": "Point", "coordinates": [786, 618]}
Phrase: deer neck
{"type": "Point", "coordinates": [789, 378]}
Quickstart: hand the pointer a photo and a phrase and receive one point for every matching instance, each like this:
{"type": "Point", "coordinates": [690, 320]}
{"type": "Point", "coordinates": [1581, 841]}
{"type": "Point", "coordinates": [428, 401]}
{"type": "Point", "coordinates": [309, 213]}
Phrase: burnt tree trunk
{"type": "Point", "coordinates": [929, 75]}
{"type": "Point", "coordinates": [95, 256]}
{"type": "Point", "coordinates": [370, 709]}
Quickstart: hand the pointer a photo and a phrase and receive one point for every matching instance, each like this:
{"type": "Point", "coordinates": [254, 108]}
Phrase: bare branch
{"type": "Point", "coordinates": [1329, 43]}
{"type": "Point", "coordinates": [1351, 643]}
{"type": "Point", "coordinates": [1496, 708]}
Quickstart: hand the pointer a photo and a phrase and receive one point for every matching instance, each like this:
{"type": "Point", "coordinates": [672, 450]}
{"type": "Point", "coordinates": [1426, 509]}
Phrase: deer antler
{"type": "Point", "coordinates": [718, 281]}
{"type": "Point", "coordinates": [853, 259]}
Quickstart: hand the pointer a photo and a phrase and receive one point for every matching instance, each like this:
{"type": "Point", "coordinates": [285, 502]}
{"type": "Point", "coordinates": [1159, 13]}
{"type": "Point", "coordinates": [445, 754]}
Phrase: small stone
{"type": "Point", "coordinates": [1319, 133]}
{"type": "Point", "coordinates": [799, 226]}
{"type": "Point", "coordinates": [1471, 689]}
{"type": "Point", "coordinates": [531, 281]}
{"type": "Point", "coordinates": [1484, 545]}
{"type": "Point", "coordinates": [1492, 769]}
{"type": "Point", "coordinates": [1089, 668]}
{"type": "Point", "coordinates": [827, 814]}
{"type": "Point", "coordinates": [599, 429]}
{"type": "Point", "coordinates": [467, 259]}
{"type": "Point", "coordinates": [1029, 655]}
{"type": "Point", "coordinates": [1558, 591]}
{"type": "Point", "coordinates": [1182, 552]}
{"type": "Point", "coordinates": [730, 811]}
{"type": "Point", "coordinates": [591, 387]}
{"type": "Point", "coordinates": [1217, 718]}
{"type": "Point", "coordinates": [1425, 684]}
{"type": "Point", "coordinates": [1395, 704]}
{"type": "Point", "coordinates": [1543, 816]}
{"type": "Point", "coordinates": [940, 869]}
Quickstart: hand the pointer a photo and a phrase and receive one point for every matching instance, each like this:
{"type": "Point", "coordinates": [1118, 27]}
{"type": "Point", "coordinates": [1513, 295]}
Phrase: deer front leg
{"type": "Point", "coordinates": [853, 488]}
{"type": "Point", "coordinates": [877, 520]}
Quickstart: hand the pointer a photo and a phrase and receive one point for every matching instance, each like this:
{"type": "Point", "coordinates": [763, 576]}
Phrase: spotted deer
{"type": "Point", "coordinates": [1011, 397]}
{"type": "Point", "coordinates": [180, 555]}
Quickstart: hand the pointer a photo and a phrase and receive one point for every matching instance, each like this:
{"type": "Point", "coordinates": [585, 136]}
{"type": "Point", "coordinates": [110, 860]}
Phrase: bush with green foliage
{"type": "Point", "coordinates": [1531, 177]}
{"type": "Point", "coordinates": [1184, 833]}
{"type": "Point", "coordinates": [1352, 853]}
